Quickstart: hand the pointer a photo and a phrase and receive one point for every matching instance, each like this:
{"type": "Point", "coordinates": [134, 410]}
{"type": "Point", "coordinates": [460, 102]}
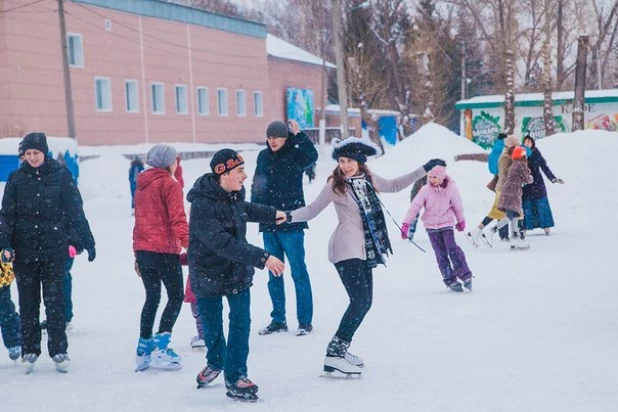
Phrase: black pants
{"type": "Point", "coordinates": [30, 277]}
{"type": "Point", "coordinates": [157, 268]}
{"type": "Point", "coordinates": [357, 279]}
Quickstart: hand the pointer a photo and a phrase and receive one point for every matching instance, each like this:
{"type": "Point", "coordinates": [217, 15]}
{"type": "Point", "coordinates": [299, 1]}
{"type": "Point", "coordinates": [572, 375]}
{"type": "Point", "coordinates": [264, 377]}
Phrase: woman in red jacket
{"type": "Point", "coordinates": [159, 234]}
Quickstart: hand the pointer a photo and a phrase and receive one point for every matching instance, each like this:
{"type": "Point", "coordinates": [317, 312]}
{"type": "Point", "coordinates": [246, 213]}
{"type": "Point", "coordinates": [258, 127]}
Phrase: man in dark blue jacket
{"type": "Point", "coordinates": [278, 182]}
{"type": "Point", "coordinates": [221, 263]}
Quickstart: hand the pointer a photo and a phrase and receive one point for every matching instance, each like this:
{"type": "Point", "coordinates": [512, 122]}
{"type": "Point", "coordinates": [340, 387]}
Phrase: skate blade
{"type": "Point", "coordinates": [471, 240]}
{"type": "Point", "coordinates": [249, 397]}
{"type": "Point", "coordinates": [166, 366]}
{"type": "Point", "coordinates": [486, 241]}
{"type": "Point", "coordinates": [519, 248]}
{"type": "Point", "coordinates": [141, 368]}
{"type": "Point", "coordinates": [340, 375]}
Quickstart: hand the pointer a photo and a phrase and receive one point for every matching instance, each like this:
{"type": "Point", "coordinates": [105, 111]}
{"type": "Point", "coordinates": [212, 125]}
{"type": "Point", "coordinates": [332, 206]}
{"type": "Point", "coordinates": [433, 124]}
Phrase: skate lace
{"type": "Point", "coordinates": [351, 358]}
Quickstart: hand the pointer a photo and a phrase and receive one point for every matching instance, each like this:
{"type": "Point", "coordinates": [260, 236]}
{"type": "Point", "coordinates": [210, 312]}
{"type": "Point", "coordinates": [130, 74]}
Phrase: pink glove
{"type": "Point", "coordinates": [72, 251]}
{"type": "Point", "coordinates": [461, 226]}
{"type": "Point", "coordinates": [405, 227]}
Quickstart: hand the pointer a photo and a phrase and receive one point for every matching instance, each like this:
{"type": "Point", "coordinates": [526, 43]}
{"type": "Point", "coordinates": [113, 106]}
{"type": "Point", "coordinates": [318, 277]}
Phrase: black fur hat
{"type": "Point", "coordinates": [355, 148]}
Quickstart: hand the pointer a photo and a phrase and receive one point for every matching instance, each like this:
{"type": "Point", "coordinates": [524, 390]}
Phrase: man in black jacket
{"type": "Point", "coordinates": [42, 214]}
{"type": "Point", "coordinates": [221, 263]}
{"type": "Point", "coordinates": [278, 182]}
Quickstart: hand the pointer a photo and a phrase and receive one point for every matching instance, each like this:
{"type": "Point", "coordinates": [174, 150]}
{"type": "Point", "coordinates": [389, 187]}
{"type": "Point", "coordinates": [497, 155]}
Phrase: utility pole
{"type": "Point", "coordinates": [463, 71]}
{"type": "Point", "coordinates": [68, 91]}
{"type": "Point", "coordinates": [580, 83]}
{"type": "Point", "coordinates": [341, 77]}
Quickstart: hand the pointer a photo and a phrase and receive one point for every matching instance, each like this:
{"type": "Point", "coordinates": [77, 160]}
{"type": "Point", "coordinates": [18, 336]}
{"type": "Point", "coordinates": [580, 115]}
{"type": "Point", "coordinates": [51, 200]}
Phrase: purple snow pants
{"type": "Point", "coordinates": [447, 252]}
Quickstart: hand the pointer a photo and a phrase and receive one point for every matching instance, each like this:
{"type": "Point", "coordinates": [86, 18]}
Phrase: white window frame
{"type": "Point", "coordinates": [152, 97]}
{"type": "Point", "coordinates": [258, 109]}
{"type": "Point", "coordinates": [206, 102]}
{"type": "Point", "coordinates": [185, 100]}
{"type": "Point", "coordinates": [135, 97]}
{"type": "Point", "coordinates": [103, 100]}
{"type": "Point", "coordinates": [241, 103]}
{"type": "Point", "coordinates": [223, 111]}
{"type": "Point", "coordinates": [72, 51]}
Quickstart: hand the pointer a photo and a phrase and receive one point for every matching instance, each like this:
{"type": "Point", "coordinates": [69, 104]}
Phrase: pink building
{"type": "Point", "coordinates": [146, 71]}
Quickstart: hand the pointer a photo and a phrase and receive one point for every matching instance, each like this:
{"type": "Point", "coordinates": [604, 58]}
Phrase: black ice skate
{"type": "Point", "coordinates": [206, 376]}
{"type": "Point", "coordinates": [274, 327]}
{"type": "Point", "coordinates": [242, 390]}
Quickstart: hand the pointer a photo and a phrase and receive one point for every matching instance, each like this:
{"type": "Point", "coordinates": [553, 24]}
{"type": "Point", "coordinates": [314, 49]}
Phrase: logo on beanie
{"type": "Point", "coordinates": [229, 164]}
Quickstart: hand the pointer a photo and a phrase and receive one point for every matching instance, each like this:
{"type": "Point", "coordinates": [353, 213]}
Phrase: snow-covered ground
{"type": "Point", "coordinates": [538, 333]}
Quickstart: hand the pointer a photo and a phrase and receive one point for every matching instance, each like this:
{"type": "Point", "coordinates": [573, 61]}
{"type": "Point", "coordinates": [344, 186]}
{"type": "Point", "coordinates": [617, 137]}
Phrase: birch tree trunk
{"type": "Point", "coordinates": [509, 97]}
{"type": "Point", "coordinates": [580, 84]}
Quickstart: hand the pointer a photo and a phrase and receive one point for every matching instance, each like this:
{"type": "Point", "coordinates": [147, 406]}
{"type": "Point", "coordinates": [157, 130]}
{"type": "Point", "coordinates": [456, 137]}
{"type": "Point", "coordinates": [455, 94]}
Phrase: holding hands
{"type": "Point", "coordinates": [274, 265]}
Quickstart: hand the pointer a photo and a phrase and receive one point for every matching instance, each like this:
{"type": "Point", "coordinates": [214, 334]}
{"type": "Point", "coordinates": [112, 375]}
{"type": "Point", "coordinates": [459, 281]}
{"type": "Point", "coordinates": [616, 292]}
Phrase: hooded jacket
{"type": "Point", "coordinates": [278, 178]}
{"type": "Point", "coordinates": [42, 213]}
{"type": "Point", "coordinates": [221, 261]}
{"type": "Point", "coordinates": [160, 219]}
{"type": "Point", "coordinates": [443, 205]}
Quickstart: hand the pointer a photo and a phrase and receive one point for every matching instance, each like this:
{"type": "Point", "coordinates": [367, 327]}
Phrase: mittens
{"type": "Point", "coordinates": [8, 255]}
{"type": "Point", "coordinates": [72, 251]}
{"type": "Point", "coordinates": [461, 226]}
{"type": "Point", "coordinates": [92, 253]}
{"type": "Point", "coordinates": [404, 230]}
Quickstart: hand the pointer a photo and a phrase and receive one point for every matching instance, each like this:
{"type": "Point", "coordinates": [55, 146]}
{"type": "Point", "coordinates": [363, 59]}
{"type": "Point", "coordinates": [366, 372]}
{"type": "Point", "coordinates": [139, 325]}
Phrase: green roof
{"type": "Point", "coordinates": [536, 99]}
{"type": "Point", "coordinates": [175, 12]}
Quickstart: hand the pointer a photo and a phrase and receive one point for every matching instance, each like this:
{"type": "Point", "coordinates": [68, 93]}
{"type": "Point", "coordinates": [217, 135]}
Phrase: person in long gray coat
{"type": "Point", "coordinates": [360, 241]}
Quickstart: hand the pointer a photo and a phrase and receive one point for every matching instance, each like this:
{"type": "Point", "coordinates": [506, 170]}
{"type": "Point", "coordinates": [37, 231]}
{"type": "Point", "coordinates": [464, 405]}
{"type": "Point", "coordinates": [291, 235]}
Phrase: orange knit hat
{"type": "Point", "coordinates": [519, 153]}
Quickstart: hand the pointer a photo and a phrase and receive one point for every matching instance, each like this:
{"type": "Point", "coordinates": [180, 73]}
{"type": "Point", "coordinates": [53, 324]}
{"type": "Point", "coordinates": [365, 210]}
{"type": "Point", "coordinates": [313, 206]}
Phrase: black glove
{"type": "Point", "coordinates": [433, 163]}
{"type": "Point", "coordinates": [92, 253]}
{"type": "Point", "coordinates": [288, 216]}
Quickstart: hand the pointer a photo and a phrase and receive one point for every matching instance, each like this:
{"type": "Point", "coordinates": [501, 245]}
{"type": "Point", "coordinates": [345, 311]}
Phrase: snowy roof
{"type": "Point", "coordinates": [536, 99]}
{"type": "Point", "coordinates": [353, 111]}
{"type": "Point", "coordinates": [280, 48]}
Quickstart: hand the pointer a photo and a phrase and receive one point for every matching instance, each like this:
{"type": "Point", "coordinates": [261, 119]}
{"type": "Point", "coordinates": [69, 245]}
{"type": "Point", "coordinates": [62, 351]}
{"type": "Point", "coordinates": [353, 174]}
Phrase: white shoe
{"type": "Point", "coordinates": [142, 362]}
{"type": "Point", "coordinates": [354, 360]}
{"type": "Point", "coordinates": [197, 343]}
{"type": "Point", "coordinates": [166, 359]}
{"type": "Point", "coordinates": [518, 243]}
{"type": "Point", "coordinates": [62, 362]}
{"type": "Point", "coordinates": [28, 361]}
{"type": "Point", "coordinates": [341, 364]}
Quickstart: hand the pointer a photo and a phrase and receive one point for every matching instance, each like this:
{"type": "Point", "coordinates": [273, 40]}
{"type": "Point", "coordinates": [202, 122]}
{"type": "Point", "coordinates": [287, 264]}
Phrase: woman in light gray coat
{"type": "Point", "coordinates": [360, 241]}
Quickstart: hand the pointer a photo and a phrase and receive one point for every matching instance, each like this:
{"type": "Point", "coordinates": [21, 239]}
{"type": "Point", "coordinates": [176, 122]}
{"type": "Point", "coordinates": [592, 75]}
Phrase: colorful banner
{"type": "Point", "coordinates": [300, 106]}
{"type": "Point", "coordinates": [535, 126]}
{"type": "Point", "coordinates": [485, 129]}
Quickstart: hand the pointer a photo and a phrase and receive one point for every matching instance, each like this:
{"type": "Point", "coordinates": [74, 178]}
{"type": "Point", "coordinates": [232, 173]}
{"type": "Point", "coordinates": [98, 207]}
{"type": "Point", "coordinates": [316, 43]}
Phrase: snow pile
{"type": "Point", "coordinates": [431, 140]}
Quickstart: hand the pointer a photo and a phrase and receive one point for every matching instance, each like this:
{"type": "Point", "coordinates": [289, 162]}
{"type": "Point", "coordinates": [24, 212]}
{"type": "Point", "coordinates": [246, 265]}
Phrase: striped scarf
{"type": "Point", "coordinates": [377, 243]}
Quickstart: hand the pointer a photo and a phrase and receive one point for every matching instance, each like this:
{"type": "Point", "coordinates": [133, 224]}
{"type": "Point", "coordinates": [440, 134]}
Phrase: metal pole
{"type": "Point", "coordinates": [341, 77]}
{"type": "Point", "coordinates": [68, 91]}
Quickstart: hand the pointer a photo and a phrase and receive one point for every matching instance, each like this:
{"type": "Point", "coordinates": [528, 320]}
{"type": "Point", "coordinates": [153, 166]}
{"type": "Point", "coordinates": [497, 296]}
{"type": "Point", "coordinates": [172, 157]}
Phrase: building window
{"type": "Point", "coordinates": [203, 108]}
{"type": "Point", "coordinates": [131, 96]}
{"type": "Point", "coordinates": [181, 99]}
{"type": "Point", "coordinates": [258, 104]}
{"type": "Point", "coordinates": [158, 98]}
{"type": "Point", "coordinates": [103, 94]}
{"type": "Point", "coordinates": [76, 50]}
{"type": "Point", "coordinates": [241, 103]}
{"type": "Point", "coordinates": [222, 105]}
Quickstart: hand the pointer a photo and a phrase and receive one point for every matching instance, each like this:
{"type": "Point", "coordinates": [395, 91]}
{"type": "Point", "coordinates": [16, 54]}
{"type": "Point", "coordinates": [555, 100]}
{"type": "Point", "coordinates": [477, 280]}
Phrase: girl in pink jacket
{"type": "Point", "coordinates": [443, 209]}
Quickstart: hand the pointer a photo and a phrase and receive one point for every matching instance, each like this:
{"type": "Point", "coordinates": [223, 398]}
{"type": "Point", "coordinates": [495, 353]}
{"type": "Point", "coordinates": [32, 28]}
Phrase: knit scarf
{"type": "Point", "coordinates": [377, 242]}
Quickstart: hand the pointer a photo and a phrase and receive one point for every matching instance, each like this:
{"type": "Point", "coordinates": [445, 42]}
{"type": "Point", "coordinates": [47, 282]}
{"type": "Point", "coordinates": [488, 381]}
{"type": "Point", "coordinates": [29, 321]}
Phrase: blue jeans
{"type": "Point", "coordinates": [292, 244]}
{"type": "Point", "coordinates": [133, 186]}
{"type": "Point", "coordinates": [9, 319]}
{"type": "Point", "coordinates": [231, 356]}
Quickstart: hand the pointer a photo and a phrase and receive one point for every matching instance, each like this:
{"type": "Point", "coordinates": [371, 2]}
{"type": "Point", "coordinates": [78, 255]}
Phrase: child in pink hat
{"type": "Point", "coordinates": [443, 209]}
